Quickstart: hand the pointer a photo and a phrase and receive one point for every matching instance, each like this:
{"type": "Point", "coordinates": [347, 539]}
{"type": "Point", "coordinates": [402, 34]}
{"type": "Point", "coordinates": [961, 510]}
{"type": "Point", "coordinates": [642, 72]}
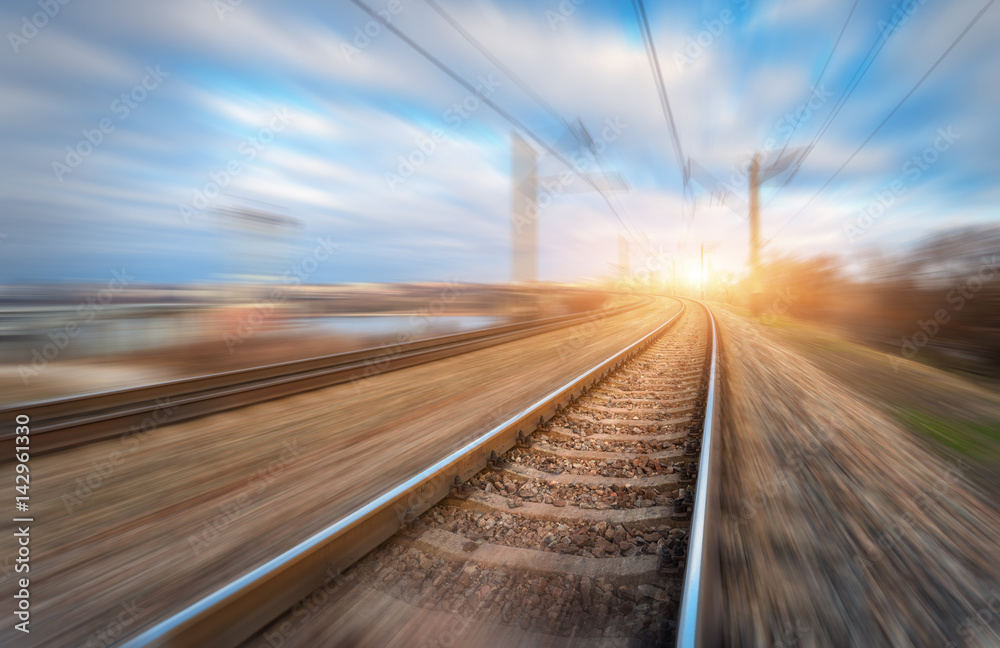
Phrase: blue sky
{"type": "Point", "coordinates": [312, 128]}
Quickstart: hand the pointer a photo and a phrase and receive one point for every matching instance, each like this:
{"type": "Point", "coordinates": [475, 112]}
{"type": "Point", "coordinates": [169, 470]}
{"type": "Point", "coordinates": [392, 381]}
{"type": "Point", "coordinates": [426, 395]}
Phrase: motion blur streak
{"type": "Point", "coordinates": [261, 262]}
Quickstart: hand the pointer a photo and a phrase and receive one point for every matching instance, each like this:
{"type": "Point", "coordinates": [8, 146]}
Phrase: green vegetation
{"type": "Point", "coordinates": [967, 437]}
{"type": "Point", "coordinates": [954, 413]}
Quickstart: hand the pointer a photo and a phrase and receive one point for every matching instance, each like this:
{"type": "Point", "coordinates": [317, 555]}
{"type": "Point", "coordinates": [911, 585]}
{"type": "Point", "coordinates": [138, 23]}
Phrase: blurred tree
{"type": "Point", "coordinates": [937, 302]}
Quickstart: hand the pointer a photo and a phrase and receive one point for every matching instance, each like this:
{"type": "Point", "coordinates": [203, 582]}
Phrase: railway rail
{"type": "Point", "coordinates": [587, 515]}
{"type": "Point", "coordinates": [65, 422]}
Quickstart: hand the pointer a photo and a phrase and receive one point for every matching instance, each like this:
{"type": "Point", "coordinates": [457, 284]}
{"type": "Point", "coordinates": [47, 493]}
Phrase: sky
{"type": "Point", "coordinates": [129, 130]}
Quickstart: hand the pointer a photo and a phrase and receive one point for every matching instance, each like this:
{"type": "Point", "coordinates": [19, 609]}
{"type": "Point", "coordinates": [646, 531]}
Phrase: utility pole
{"type": "Point", "coordinates": [623, 258]}
{"type": "Point", "coordinates": [524, 190]}
{"type": "Point", "coordinates": [703, 272]}
{"type": "Point", "coordinates": [792, 159]}
{"type": "Point", "coordinates": [755, 285]}
{"type": "Point", "coordinates": [523, 211]}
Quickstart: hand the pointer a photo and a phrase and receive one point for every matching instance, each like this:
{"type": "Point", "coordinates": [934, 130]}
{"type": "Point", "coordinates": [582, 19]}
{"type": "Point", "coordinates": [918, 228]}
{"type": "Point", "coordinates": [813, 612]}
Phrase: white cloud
{"type": "Point", "coordinates": [354, 119]}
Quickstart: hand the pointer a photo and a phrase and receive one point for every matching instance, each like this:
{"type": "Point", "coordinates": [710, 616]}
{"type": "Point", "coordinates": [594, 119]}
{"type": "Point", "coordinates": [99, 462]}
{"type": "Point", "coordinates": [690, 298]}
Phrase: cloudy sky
{"type": "Point", "coordinates": [128, 129]}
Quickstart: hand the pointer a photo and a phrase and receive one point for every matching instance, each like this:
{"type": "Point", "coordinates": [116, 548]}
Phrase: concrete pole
{"type": "Point", "coordinates": [755, 283]}
{"type": "Point", "coordinates": [623, 259]}
{"type": "Point", "coordinates": [523, 210]}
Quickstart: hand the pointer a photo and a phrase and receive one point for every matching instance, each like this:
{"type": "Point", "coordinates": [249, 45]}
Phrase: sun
{"type": "Point", "coordinates": [693, 274]}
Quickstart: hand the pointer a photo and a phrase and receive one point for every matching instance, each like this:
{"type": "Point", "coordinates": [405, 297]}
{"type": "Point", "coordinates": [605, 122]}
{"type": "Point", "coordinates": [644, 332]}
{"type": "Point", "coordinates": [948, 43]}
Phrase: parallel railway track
{"type": "Point", "coordinates": [584, 527]}
{"type": "Point", "coordinates": [61, 423]}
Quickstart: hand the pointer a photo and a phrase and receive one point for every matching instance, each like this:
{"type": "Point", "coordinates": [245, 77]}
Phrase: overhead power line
{"type": "Point", "coordinates": [527, 89]}
{"type": "Point", "coordinates": [489, 102]}
{"type": "Point", "coordinates": [654, 63]}
{"type": "Point", "coordinates": [941, 58]}
{"type": "Point", "coordinates": [852, 84]}
{"type": "Point", "coordinates": [819, 79]}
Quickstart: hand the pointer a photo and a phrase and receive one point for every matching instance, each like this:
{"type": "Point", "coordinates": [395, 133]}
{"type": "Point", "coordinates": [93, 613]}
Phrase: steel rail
{"type": "Point", "coordinates": [233, 613]}
{"type": "Point", "coordinates": [65, 422]}
{"type": "Point", "coordinates": [698, 623]}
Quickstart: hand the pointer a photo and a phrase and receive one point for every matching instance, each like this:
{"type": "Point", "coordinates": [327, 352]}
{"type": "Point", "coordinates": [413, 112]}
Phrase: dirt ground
{"type": "Point", "coordinates": [841, 527]}
{"type": "Point", "coordinates": [129, 530]}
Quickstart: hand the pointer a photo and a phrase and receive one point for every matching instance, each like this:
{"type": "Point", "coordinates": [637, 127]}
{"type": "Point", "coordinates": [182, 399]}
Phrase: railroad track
{"type": "Point", "coordinates": [584, 528]}
{"type": "Point", "coordinates": [61, 423]}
